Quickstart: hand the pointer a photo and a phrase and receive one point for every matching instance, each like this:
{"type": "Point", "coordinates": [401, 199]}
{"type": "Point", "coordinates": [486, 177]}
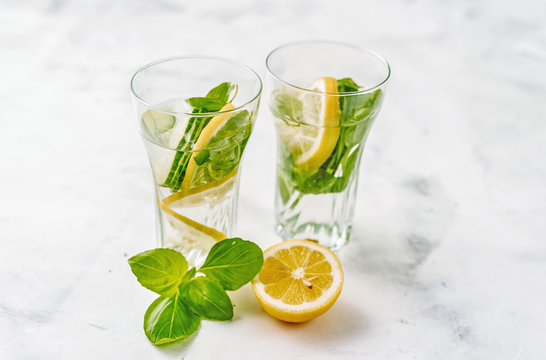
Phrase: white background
{"type": "Point", "coordinates": [448, 257]}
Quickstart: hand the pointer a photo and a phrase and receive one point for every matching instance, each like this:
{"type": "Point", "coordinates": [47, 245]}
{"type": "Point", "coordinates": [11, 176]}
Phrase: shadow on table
{"type": "Point", "coordinates": [179, 347]}
{"type": "Point", "coordinates": [341, 321]}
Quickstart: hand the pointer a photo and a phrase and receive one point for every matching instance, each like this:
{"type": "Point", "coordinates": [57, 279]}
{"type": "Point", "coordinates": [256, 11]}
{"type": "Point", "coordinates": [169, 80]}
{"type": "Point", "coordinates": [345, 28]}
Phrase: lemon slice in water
{"type": "Point", "coordinates": [219, 149]}
{"type": "Point", "coordinates": [212, 169]}
{"type": "Point", "coordinates": [312, 141]}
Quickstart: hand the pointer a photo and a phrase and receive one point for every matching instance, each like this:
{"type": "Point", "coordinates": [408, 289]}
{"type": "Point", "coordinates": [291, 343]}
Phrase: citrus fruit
{"type": "Point", "coordinates": [219, 148]}
{"type": "Point", "coordinates": [299, 280]}
{"type": "Point", "coordinates": [211, 193]}
{"type": "Point", "coordinates": [157, 126]}
{"type": "Point", "coordinates": [211, 172]}
{"type": "Point", "coordinates": [191, 228]}
{"type": "Point", "coordinates": [312, 141]}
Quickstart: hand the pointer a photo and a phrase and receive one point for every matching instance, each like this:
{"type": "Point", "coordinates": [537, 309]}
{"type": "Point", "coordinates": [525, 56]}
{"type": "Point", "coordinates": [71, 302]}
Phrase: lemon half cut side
{"type": "Point", "coordinates": [299, 280]}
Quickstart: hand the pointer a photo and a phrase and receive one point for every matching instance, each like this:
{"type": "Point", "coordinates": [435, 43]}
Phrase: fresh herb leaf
{"type": "Point", "coordinates": [346, 85]}
{"type": "Point", "coordinates": [225, 149]}
{"type": "Point", "coordinates": [284, 185]}
{"type": "Point", "coordinates": [357, 114]}
{"type": "Point", "coordinates": [287, 107]}
{"type": "Point", "coordinates": [221, 92]}
{"type": "Point", "coordinates": [188, 275]}
{"type": "Point", "coordinates": [159, 270]}
{"type": "Point", "coordinates": [168, 319]}
{"type": "Point", "coordinates": [215, 100]}
{"type": "Point", "coordinates": [361, 107]}
{"type": "Point", "coordinates": [206, 298]}
{"type": "Point", "coordinates": [211, 105]}
{"type": "Point", "coordinates": [233, 262]}
{"type": "Point", "coordinates": [202, 157]}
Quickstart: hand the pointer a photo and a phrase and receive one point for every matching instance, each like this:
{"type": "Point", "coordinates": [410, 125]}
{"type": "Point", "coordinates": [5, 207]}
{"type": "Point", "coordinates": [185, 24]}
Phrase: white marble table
{"type": "Point", "coordinates": [448, 257]}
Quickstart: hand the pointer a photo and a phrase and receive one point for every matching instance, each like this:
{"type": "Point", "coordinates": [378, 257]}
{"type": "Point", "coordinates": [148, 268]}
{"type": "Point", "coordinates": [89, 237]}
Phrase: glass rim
{"type": "Point", "coordinates": [331, 42]}
{"type": "Point", "coordinates": [185, 57]}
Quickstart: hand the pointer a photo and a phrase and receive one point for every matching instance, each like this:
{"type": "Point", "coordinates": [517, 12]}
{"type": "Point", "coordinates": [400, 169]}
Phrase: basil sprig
{"type": "Point", "coordinates": [233, 263]}
{"type": "Point", "coordinates": [186, 299]}
{"type": "Point", "coordinates": [214, 101]}
{"type": "Point", "coordinates": [357, 113]}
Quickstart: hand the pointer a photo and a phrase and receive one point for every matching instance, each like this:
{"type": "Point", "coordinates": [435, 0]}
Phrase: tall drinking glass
{"type": "Point", "coordinates": [195, 116]}
{"type": "Point", "coordinates": [324, 97]}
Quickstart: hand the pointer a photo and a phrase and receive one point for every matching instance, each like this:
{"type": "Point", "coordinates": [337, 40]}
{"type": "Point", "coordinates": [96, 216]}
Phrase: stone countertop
{"type": "Point", "coordinates": [448, 256]}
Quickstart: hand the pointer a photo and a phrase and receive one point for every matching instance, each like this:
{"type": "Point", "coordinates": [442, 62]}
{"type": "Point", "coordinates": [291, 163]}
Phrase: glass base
{"type": "Point", "coordinates": [194, 223]}
{"type": "Point", "coordinates": [179, 236]}
{"type": "Point", "coordinates": [333, 236]}
{"type": "Point", "coordinates": [325, 218]}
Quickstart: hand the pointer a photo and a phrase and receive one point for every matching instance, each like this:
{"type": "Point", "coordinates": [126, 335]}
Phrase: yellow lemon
{"type": "Point", "coordinates": [312, 141]}
{"type": "Point", "coordinates": [299, 281]}
{"type": "Point", "coordinates": [216, 127]}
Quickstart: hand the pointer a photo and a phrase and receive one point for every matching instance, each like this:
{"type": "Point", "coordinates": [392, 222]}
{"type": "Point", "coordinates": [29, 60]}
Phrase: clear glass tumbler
{"type": "Point", "coordinates": [324, 97]}
{"type": "Point", "coordinates": [195, 114]}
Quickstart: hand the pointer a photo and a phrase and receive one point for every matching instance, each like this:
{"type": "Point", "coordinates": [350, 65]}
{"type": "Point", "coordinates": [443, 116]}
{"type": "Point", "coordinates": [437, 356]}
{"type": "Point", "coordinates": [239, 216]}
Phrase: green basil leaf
{"type": "Point", "coordinates": [285, 187]}
{"type": "Point", "coordinates": [225, 149]}
{"type": "Point", "coordinates": [202, 157]}
{"type": "Point", "coordinates": [221, 92]}
{"type": "Point", "coordinates": [206, 298]}
{"type": "Point", "coordinates": [168, 319]}
{"type": "Point", "coordinates": [357, 114]}
{"type": "Point", "coordinates": [188, 275]}
{"type": "Point", "coordinates": [356, 133]}
{"type": "Point", "coordinates": [233, 262]}
{"type": "Point", "coordinates": [206, 104]}
{"type": "Point", "coordinates": [159, 270]}
{"type": "Point", "coordinates": [347, 85]}
{"type": "Point", "coordinates": [362, 107]}
{"type": "Point", "coordinates": [286, 107]}
{"type": "Point", "coordinates": [215, 100]}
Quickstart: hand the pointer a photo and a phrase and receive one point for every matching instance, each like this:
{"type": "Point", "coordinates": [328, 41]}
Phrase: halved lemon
{"type": "Point", "coordinates": [299, 280]}
{"type": "Point", "coordinates": [312, 141]}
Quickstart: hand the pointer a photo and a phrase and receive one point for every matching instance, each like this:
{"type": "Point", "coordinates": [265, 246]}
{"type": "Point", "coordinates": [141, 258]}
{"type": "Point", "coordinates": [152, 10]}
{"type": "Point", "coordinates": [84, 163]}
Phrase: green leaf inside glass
{"type": "Point", "coordinates": [214, 101]}
{"type": "Point", "coordinates": [357, 113]}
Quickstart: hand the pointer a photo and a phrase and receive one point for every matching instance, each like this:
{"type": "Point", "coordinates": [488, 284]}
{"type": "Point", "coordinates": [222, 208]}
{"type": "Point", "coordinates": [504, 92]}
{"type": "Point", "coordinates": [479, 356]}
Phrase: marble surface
{"type": "Point", "coordinates": [448, 257]}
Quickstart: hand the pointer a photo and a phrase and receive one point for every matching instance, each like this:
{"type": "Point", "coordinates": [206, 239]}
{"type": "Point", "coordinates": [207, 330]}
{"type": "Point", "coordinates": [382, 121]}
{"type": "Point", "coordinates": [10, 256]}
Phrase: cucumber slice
{"type": "Point", "coordinates": [162, 166]}
{"type": "Point", "coordinates": [156, 123]}
{"type": "Point", "coordinates": [174, 137]}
